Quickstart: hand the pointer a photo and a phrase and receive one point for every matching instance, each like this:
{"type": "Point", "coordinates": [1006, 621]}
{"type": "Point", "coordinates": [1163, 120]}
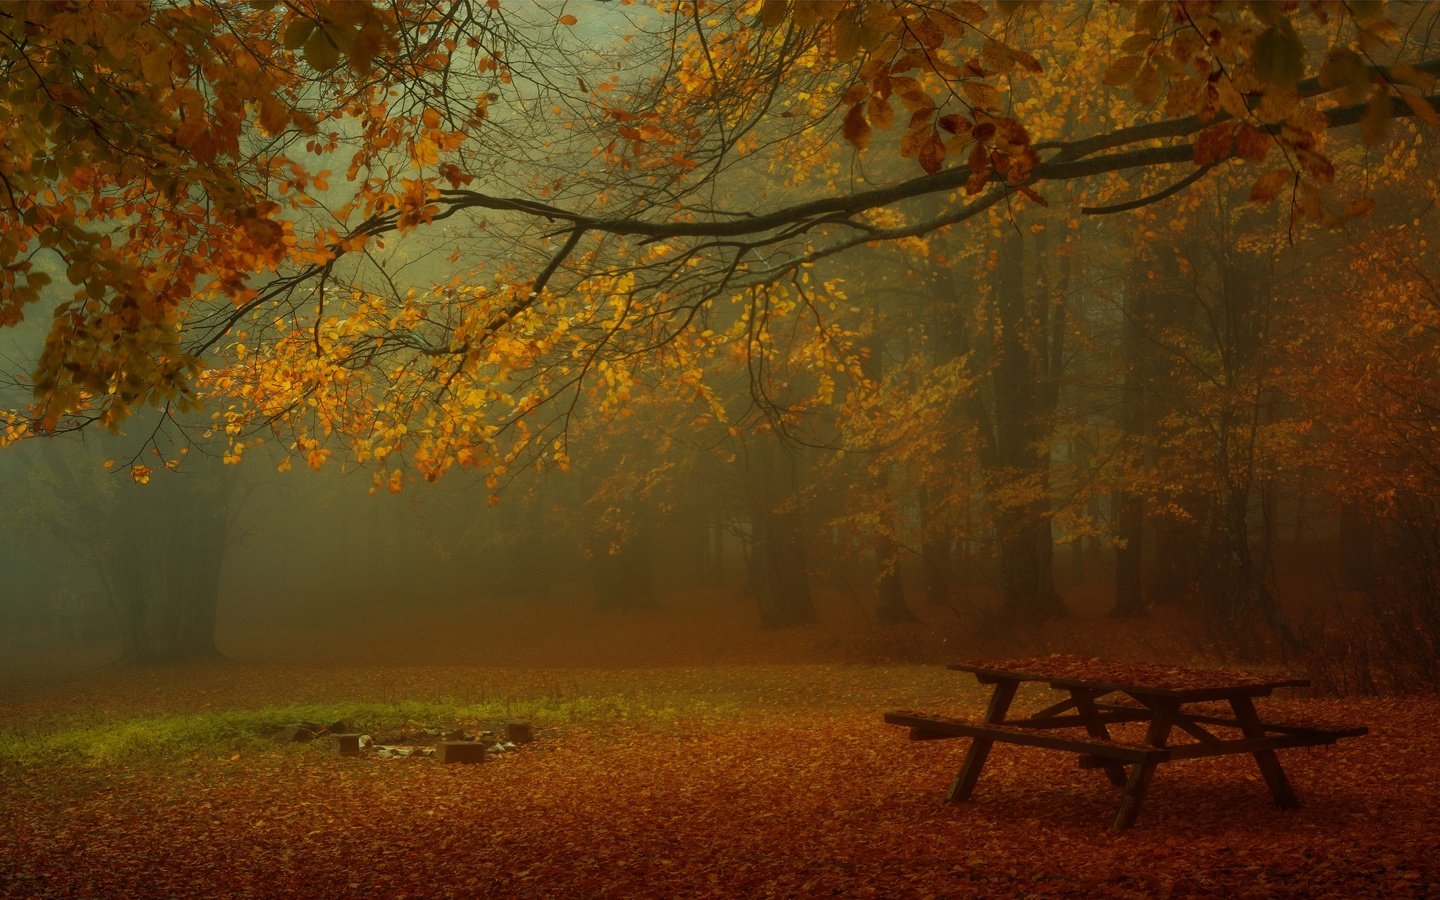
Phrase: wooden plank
{"type": "Point", "coordinates": [1269, 764]}
{"type": "Point", "coordinates": [519, 732]}
{"type": "Point", "coordinates": [1068, 673]}
{"type": "Point", "coordinates": [1140, 775]}
{"type": "Point", "coordinates": [1247, 745]}
{"type": "Point", "coordinates": [1329, 731]}
{"type": "Point", "coordinates": [1224, 748]}
{"type": "Point", "coordinates": [979, 750]}
{"type": "Point", "coordinates": [1115, 708]}
{"type": "Point", "coordinates": [1198, 732]}
{"type": "Point", "coordinates": [460, 752]}
{"type": "Point", "coordinates": [1335, 731]}
{"type": "Point", "coordinates": [1029, 737]}
{"type": "Point", "coordinates": [1085, 706]}
{"type": "Point", "coordinates": [1079, 721]}
{"type": "Point", "coordinates": [927, 734]}
{"type": "Point", "coordinates": [1288, 726]}
{"type": "Point", "coordinates": [1055, 709]}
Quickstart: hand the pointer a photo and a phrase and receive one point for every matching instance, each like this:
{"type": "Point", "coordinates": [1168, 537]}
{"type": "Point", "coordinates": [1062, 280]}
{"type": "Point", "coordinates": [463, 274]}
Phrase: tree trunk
{"type": "Point", "coordinates": [1357, 550]}
{"type": "Point", "coordinates": [936, 551]}
{"type": "Point", "coordinates": [944, 483]}
{"type": "Point", "coordinates": [891, 608]}
{"type": "Point", "coordinates": [625, 578]}
{"type": "Point", "coordinates": [780, 578]}
{"type": "Point", "coordinates": [785, 594]}
{"type": "Point", "coordinates": [717, 553]}
{"type": "Point", "coordinates": [890, 605]}
{"type": "Point", "coordinates": [1129, 507]}
{"type": "Point", "coordinates": [1242, 589]}
{"type": "Point", "coordinates": [1129, 557]}
{"type": "Point", "coordinates": [1022, 382]}
{"type": "Point", "coordinates": [127, 565]}
{"type": "Point", "coordinates": [198, 609]}
{"type": "Point", "coordinates": [167, 568]}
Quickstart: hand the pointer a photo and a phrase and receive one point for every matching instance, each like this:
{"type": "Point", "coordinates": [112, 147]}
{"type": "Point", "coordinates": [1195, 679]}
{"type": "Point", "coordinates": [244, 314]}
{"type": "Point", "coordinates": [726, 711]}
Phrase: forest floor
{"type": "Point", "coordinates": [679, 754]}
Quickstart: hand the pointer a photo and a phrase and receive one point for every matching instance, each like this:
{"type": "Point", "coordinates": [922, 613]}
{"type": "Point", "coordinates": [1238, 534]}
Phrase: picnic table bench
{"type": "Point", "coordinates": [1104, 693]}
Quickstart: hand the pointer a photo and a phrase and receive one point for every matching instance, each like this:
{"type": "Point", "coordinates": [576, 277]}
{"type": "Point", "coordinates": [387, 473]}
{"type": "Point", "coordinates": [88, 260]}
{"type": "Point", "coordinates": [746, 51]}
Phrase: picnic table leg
{"type": "Point", "coordinates": [1085, 706]}
{"type": "Point", "coordinates": [1269, 765]}
{"type": "Point", "coordinates": [1162, 719]}
{"type": "Point", "coordinates": [964, 784]}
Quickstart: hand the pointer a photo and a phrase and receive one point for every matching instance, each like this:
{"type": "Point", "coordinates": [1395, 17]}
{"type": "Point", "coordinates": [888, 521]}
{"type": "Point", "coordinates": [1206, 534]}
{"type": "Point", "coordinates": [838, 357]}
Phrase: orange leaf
{"type": "Point", "coordinates": [274, 117]}
{"type": "Point", "coordinates": [1147, 85]}
{"type": "Point", "coordinates": [1033, 196]}
{"type": "Point", "coordinates": [1122, 70]}
{"type": "Point", "coordinates": [773, 12]}
{"type": "Point", "coordinates": [982, 95]}
{"type": "Point", "coordinates": [932, 154]}
{"type": "Point", "coordinates": [1251, 143]}
{"type": "Point", "coordinates": [1213, 144]}
{"type": "Point", "coordinates": [1267, 186]}
{"type": "Point", "coordinates": [1027, 62]}
{"type": "Point", "coordinates": [881, 116]}
{"type": "Point", "coordinates": [1315, 165]}
{"type": "Point", "coordinates": [954, 123]}
{"type": "Point", "coordinates": [856, 92]}
{"type": "Point", "coordinates": [1420, 107]}
{"type": "Point", "coordinates": [1377, 117]}
{"type": "Point", "coordinates": [856, 129]}
{"type": "Point", "coordinates": [1362, 207]}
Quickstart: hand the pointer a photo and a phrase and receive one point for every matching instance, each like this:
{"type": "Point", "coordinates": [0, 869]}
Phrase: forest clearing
{"type": "Point", "coordinates": [685, 384]}
{"type": "Point", "coordinates": [739, 774]}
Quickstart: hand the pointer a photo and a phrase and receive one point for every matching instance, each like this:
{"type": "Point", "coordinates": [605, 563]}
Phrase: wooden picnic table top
{"type": "Point", "coordinates": [1140, 679]}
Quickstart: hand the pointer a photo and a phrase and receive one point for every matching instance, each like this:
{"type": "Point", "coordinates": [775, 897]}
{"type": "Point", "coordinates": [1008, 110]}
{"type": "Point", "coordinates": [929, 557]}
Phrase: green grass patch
{"type": "Point", "coordinates": [228, 731]}
{"type": "Point", "coordinates": [650, 698]}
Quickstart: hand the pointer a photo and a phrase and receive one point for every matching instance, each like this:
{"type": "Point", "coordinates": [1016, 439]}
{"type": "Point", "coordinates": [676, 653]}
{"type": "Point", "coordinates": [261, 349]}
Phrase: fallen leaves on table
{"type": "Point", "coordinates": [1062, 667]}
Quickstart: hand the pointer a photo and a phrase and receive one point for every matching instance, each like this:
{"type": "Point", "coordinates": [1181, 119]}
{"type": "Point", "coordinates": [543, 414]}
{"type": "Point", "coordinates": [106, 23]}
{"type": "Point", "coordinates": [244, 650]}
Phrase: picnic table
{"type": "Point", "coordinates": [1102, 693]}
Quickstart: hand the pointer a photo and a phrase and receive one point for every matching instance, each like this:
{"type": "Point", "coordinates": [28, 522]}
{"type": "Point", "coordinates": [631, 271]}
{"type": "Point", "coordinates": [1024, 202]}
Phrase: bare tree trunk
{"type": "Point", "coordinates": [127, 566]}
{"type": "Point", "coordinates": [891, 608]}
{"type": "Point", "coordinates": [1129, 507]}
{"type": "Point", "coordinates": [625, 577]}
{"type": "Point", "coordinates": [780, 577]}
{"type": "Point", "coordinates": [1357, 550]}
{"type": "Point", "coordinates": [936, 551]}
{"type": "Point", "coordinates": [1021, 447]}
{"type": "Point", "coordinates": [940, 483]}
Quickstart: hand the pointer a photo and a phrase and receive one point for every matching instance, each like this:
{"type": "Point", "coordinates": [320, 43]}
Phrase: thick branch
{"type": "Point", "coordinates": [1170, 128]}
{"type": "Point", "coordinates": [1074, 159]}
{"type": "Point", "coordinates": [1156, 197]}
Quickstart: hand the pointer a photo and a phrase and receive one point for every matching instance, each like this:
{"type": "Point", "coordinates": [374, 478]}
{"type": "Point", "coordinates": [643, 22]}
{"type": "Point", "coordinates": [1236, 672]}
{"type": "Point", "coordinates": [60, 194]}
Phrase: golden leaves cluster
{"type": "Point", "coordinates": [940, 65]}
{"type": "Point", "coordinates": [1245, 67]}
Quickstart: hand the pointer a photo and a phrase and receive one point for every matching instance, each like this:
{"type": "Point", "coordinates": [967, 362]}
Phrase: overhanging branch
{"type": "Point", "coordinates": [1081, 158]}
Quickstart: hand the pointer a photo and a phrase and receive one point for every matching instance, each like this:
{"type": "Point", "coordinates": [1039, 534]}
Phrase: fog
{"type": "Point", "coordinates": [973, 435]}
{"type": "Point", "coordinates": [888, 526]}
{"type": "Point", "coordinates": [524, 448]}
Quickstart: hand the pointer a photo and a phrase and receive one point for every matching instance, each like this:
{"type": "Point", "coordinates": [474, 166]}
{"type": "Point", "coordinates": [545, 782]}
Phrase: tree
{"type": "Point", "coordinates": [157, 550]}
{"type": "Point", "coordinates": [1232, 77]}
{"type": "Point", "coordinates": [1364, 378]}
{"type": "Point", "coordinates": [416, 317]}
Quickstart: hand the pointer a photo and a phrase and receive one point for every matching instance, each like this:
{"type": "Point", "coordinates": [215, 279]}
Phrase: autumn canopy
{"type": "Point", "coordinates": [1066, 268]}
